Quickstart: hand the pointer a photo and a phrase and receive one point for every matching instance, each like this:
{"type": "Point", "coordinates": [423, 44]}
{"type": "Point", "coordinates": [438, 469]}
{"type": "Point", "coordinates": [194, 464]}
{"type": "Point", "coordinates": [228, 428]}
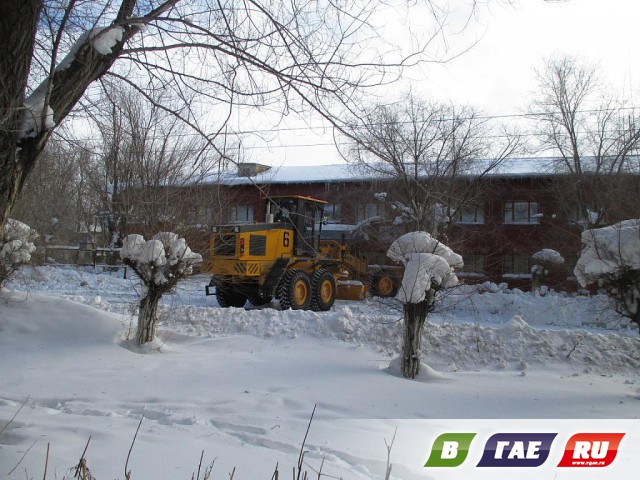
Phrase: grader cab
{"type": "Point", "coordinates": [284, 258]}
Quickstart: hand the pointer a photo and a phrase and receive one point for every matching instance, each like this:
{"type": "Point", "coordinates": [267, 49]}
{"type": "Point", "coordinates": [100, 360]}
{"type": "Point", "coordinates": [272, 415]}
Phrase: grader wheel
{"type": "Point", "coordinates": [323, 291]}
{"type": "Point", "coordinates": [294, 290]}
{"type": "Point", "coordinates": [259, 300]}
{"type": "Point", "coordinates": [383, 286]}
{"type": "Point", "coordinates": [227, 296]}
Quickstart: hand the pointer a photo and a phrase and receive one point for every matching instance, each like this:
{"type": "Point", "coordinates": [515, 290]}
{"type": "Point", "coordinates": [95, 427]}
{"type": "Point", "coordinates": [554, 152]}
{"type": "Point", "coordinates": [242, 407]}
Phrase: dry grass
{"type": "Point", "coordinates": [302, 471]}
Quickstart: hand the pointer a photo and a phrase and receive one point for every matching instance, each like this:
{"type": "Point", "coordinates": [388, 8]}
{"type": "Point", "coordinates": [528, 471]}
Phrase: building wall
{"type": "Point", "coordinates": [502, 247]}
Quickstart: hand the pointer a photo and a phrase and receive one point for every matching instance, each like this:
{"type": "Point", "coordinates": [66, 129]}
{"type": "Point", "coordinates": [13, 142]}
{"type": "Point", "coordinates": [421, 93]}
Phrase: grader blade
{"type": "Point", "coordinates": [351, 290]}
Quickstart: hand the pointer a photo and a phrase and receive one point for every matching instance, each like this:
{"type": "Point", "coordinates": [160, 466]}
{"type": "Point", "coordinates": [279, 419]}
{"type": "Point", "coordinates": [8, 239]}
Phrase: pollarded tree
{"type": "Point", "coordinates": [160, 263]}
{"type": "Point", "coordinates": [429, 270]}
{"type": "Point", "coordinates": [59, 177]}
{"type": "Point", "coordinates": [611, 260]}
{"type": "Point", "coordinates": [146, 164]}
{"type": "Point", "coordinates": [544, 259]}
{"type": "Point", "coordinates": [16, 247]}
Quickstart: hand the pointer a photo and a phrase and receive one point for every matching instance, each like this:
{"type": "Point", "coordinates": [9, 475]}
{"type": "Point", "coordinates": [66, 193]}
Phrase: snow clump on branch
{"type": "Point", "coordinates": [611, 258]}
{"type": "Point", "coordinates": [607, 250]}
{"type": "Point", "coordinates": [548, 255]}
{"type": "Point", "coordinates": [428, 264]}
{"type": "Point", "coordinates": [38, 116]}
{"type": "Point", "coordinates": [17, 246]}
{"type": "Point", "coordinates": [161, 261]}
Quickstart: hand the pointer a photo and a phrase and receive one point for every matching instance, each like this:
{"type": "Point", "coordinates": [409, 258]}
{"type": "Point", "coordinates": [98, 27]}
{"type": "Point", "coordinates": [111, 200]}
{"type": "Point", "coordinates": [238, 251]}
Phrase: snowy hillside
{"type": "Point", "coordinates": [241, 384]}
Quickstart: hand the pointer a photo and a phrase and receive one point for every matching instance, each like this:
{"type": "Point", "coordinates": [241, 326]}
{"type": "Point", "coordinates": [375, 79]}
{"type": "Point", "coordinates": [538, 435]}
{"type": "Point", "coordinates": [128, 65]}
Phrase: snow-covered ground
{"type": "Point", "coordinates": [241, 384]}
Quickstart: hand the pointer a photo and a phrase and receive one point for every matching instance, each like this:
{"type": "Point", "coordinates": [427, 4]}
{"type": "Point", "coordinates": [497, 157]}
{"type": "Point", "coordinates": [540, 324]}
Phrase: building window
{"type": "Point", "coordinates": [200, 215]}
{"type": "Point", "coordinates": [516, 266]}
{"type": "Point", "coordinates": [333, 212]}
{"type": "Point", "coordinates": [470, 214]}
{"type": "Point", "coordinates": [521, 212]}
{"type": "Point", "coordinates": [369, 210]}
{"type": "Point", "coordinates": [242, 213]}
{"type": "Point", "coordinates": [473, 265]}
{"type": "Point", "coordinates": [576, 215]}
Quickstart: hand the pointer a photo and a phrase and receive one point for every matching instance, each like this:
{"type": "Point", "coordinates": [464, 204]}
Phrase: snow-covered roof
{"type": "Point", "coordinates": [297, 174]}
{"type": "Point", "coordinates": [509, 168]}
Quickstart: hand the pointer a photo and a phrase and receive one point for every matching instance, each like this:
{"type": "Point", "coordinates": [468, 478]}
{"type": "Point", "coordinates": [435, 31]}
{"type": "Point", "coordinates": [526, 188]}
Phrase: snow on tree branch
{"type": "Point", "coordinates": [548, 255]}
{"type": "Point", "coordinates": [102, 39]}
{"type": "Point", "coordinates": [423, 270]}
{"type": "Point", "coordinates": [611, 258]}
{"type": "Point", "coordinates": [608, 250]}
{"type": "Point", "coordinates": [160, 261]}
{"type": "Point", "coordinates": [428, 264]}
{"type": "Point", "coordinates": [17, 246]}
{"type": "Point", "coordinates": [421, 242]}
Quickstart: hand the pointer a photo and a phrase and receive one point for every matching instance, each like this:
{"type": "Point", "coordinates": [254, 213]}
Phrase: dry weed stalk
{"type": "Point", "coordinates": [389, 447]}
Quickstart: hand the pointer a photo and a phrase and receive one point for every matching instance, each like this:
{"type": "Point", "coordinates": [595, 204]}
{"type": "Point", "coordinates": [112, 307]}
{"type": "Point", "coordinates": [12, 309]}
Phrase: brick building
{"type": "Point", "coordinates": [517, 211]}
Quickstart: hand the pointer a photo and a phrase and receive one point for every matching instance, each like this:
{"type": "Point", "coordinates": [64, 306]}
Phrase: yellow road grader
{"type": "Point", "coordinates": [286, 258]}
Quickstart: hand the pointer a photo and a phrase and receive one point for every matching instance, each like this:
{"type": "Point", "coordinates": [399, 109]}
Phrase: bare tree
{"type": "Point", "coordinates": [595, 138]}
{"type": "Point", "coordinates": [432, 155]}
{"type": "Point", "coordinates": [59, 177]}
{"type": "Point", "coordinates": [222, 53]}
{"type": "Point", "coordinates": [149, 167]}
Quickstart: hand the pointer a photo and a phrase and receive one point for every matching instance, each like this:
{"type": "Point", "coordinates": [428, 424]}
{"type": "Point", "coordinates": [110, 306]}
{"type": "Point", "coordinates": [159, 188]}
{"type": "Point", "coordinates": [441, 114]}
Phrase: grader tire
{"type": "Point", "coordinates": [383, 286]}
{"type": "Point", "coordinates": [323, 291]}
{"type": "Point", "coordinates": [259, 300]}
{"type": "Point", "coordinates": [227, 297]}
{"type": "Point", "coordinates": [294, 290]}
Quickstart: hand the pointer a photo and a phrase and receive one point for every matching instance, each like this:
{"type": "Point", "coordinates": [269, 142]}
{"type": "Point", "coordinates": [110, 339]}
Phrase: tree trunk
{"type": "Point", "coordinates": [147, 317]}
{"type": "Point", "coordinates": [415, 315]}
{"type": "Point", "coordinates": [18, 22]}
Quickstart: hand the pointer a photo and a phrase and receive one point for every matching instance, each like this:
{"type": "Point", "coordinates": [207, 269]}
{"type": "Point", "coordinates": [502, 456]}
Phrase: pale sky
{"type": "Point", "coordinates": [497, 75]}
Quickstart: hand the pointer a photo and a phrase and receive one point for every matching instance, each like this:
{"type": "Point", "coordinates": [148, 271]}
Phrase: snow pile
{"type": "Point", "coordinates": [159, 260]}
{"type": "Point", "coordinates": [428, 263]}
{"type": "Point", "coordinates": [547, 255]}
{"type": "Point", "coordinates": [17, 245]}
{"type": "Point", "coordinates": [469, 331]}
{"type": "Point", "coordinates": [607, 250]}
{"type": "Point", "coordinates": [448, 347]}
